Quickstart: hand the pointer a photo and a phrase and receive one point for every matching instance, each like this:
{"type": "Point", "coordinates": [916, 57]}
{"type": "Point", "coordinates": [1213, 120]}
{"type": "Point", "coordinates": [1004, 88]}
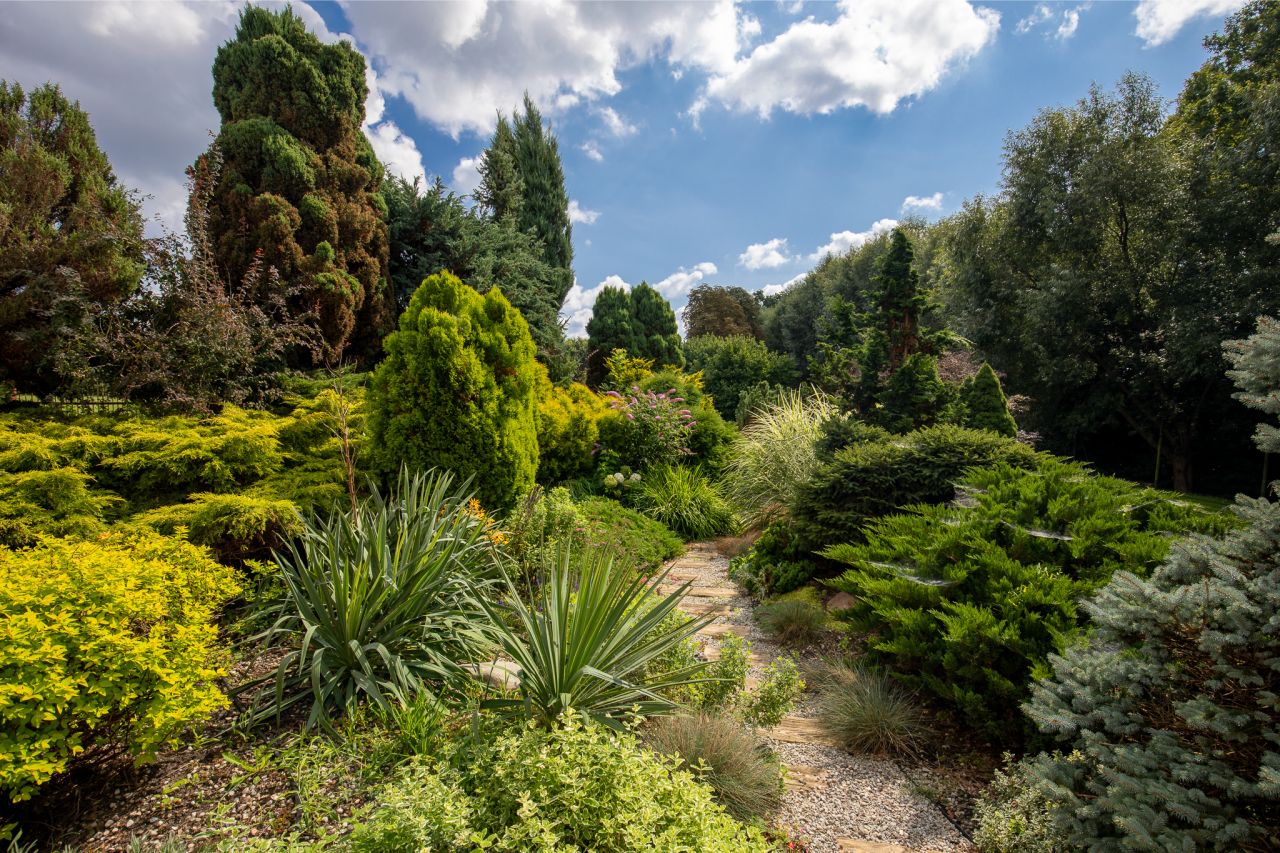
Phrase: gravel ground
{"type": "Point", "coordinates": [862, 798]}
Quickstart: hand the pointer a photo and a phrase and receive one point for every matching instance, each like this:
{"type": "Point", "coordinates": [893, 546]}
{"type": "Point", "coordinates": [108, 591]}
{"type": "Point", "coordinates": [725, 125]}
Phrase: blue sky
{"type": "Point", "coordinates": [701, 141]}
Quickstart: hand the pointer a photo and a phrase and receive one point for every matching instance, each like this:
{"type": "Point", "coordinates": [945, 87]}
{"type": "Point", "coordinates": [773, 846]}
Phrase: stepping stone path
{"type": "Point", "coordinates": [844, 803]}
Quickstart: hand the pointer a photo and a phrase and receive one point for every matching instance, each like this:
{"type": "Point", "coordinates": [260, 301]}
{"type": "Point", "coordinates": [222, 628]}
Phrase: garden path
{"type": "Point", "coordinates": [844, 803]}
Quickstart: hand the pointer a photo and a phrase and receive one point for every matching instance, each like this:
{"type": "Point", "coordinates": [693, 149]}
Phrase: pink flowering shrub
{"type": "Point", "coordinates": [647, 428]}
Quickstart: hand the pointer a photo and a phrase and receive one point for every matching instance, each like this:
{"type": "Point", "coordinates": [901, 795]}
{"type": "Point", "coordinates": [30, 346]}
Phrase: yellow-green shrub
{"type": "Point", "coordinates": [57, 501]}
{"type": "Point", "coordinates": [568, 429]}
{"type": "Point", "coordinates": [178, 455]}
{"type": "Point", "coordinates": [236, 527]}
{"type": "Point", "coordinates": [106, 642]}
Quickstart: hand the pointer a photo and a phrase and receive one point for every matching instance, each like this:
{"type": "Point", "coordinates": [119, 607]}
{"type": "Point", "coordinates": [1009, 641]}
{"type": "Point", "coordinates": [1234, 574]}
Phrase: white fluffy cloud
{"type": "Point", "coordinates": [1160, 20]}
{"type": "Point", "coordinates": [579, 214]}
{"type": "Point", "coordinates": [441, 56]}
{"type": "Point", "coordinates": [466, 175]}
{"type": "Point", "coordinates": [394, 148]}
{"type": "Point", "coordinates": [616, 124]}
{"type": "Point", "coordinates": [593, 151]}
{"type": "Point", "coordinates": [842, 241]}
{"type": "Point", "coordinates": [683, 280]}
{"type": "Point", "coordinates": [765, 256]}
{"type": "Point", "coordinates": [771, 289]}
{"type": "Point", "coordinates": [1067, 20]}
{"type": "Point", "coordinates": [918, 202]}
{"type": "Point", "coordinates": [874, 54]}
{"type": "Point", "coordinates": [106, 55]}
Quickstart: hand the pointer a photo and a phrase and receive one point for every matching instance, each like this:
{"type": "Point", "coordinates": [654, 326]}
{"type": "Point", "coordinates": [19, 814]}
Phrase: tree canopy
{"type": "Point", "coordinates": [299, 190]}
{"type": "Point", "coordinates": [71, 234]}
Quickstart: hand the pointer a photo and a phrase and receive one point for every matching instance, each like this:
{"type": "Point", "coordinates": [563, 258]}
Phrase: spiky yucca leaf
{"type": "Point", "coordinates": [382, 604]}
{"type": "Point", "coordinates": [583, 641]}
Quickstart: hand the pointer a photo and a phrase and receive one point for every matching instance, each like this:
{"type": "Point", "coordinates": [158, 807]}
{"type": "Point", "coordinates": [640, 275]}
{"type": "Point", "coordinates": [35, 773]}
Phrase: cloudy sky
{"type": "Point", "coordinates": [704, 141]}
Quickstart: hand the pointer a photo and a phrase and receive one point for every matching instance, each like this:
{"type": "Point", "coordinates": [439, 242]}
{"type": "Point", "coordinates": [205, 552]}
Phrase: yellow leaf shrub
{"type": "Point", "coordinates": [109, 641]}
{"type": "Point", "coordinates": [568, 429]}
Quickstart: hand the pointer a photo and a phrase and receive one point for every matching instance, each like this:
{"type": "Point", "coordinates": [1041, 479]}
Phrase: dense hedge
{"type": "Point", "coordinates": [871, 478]}
{"type": "Point", "coordinates": [967, 602]}
{"type": "Point", "coordinates": [109, 643]}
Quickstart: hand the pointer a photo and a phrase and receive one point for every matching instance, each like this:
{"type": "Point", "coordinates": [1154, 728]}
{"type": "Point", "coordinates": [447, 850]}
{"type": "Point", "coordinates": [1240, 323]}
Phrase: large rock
{"type": "Point", "coordinates": [840, 601]}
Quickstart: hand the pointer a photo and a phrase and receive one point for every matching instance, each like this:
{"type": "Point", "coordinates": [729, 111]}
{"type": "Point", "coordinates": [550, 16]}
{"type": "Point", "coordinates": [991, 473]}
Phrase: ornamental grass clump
{"type": "Point", "coordinates": [867, 713]}
{"type": "Point", "coordinates": [793, 621]}
{"type": "Point", "coordinates": [736, 762]}
{"type": "Point", "coordinates": [686, 501]}
{"type": "Point", "coordinates": [775, 454]}
{"type": "Point", "coordinates": [382, 604]}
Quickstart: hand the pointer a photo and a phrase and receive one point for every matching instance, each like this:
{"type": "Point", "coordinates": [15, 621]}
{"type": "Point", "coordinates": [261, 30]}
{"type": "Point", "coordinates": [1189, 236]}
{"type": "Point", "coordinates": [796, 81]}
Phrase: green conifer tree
{"type": "Point", "coordinates": [70, 236]}
{"type": "Point", "coordinates": [299, 189]}
{"type": "Point", "coordinates": [985, 405]}
{"type": "Point", "coordinates": [545, 206]}
{"type": "Point", "coordinates": [1168, 716]}
{"type": "Point", "coordinates": [913, 397]}
{"type": "Point", "coordinates": [899, 301]}
{"type": "Point", "coordinates": [457, 391]}
{"type": "Point", "coordinates": [609, 328]}
{"type": "Point", "coordinates": [501, 189]}
{"type": "Point", "coordinates": [654, 325]}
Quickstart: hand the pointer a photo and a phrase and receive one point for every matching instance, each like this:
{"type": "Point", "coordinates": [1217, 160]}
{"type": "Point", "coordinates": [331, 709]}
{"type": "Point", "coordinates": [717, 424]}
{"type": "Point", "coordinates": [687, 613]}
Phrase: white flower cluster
{"type": "Point", "coordinates": [617, 479]}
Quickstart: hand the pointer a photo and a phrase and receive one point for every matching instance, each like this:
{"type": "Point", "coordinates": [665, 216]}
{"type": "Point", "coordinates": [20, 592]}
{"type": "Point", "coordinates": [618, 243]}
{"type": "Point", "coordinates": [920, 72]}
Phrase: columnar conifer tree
{"type": "Point", "coordinates": [70, 235]}
{"type": "Point", "coordinates": [501, 189]}
{"type": "Point", "coordinates": [545, 206]}
{"type": "Point", "coordinates": [654, 325]}
{"type": "Point", "coordinates": [609, 328]}
{"type": "Point", "coordinates": [457, 390]}
{"type": "Point", "coordinates": [522, 181]}
{"type": "Point", "coordinates": [299, 189]}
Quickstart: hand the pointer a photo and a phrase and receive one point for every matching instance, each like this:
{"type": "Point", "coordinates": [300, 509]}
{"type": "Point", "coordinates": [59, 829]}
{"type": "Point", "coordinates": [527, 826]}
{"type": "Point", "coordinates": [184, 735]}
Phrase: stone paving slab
{"type": "Point", "coordinates": [802, 777]}
{"type": "Point", "coordinates": [705, 607]}
{"type": "Point", "coordinates": [800, 730]}
{"type": "Point", "coordinates": [718, 629]}
{"type": "Point", "coordinates": [853, 845]}
{"type": "Point", "coordinates": [702, 591]}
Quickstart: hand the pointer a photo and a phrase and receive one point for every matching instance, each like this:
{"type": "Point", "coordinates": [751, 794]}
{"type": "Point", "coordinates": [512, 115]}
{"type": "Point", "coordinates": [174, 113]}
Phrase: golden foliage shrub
{"type": "Point", "coordinates": [107, 643]}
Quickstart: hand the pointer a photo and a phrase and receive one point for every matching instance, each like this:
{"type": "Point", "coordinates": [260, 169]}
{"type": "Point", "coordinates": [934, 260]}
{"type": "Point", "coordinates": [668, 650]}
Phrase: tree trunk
{"type": "Point", "coordinates": [1180, 458]}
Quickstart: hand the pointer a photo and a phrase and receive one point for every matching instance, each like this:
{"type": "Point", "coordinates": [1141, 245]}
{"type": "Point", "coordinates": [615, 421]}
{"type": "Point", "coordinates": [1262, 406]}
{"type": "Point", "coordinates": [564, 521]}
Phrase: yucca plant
{"type": "Point", "coordinates": [686, 501]}
{"type": "Point", "coordinates": [584, 639]}
{"type": "Point", "coordinates": [383, 604]}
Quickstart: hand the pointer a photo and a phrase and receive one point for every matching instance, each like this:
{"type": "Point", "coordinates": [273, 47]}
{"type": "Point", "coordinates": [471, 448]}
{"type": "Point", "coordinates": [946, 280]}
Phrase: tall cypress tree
{"type": "Point", "coordinates": [501, 189]}
{"type": "Point", "coordinates": [70, 236]}
{"type": "Point", "coordinates": [609, 328]}
{"type": "Point", "coordinates": [900, 301]}
{"type": "Point", "coordinates": [545, 207]}
{"type": "Point", "coordinates": [299, 190]}
{"type": "Point", "coordinates": [654, 325]}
